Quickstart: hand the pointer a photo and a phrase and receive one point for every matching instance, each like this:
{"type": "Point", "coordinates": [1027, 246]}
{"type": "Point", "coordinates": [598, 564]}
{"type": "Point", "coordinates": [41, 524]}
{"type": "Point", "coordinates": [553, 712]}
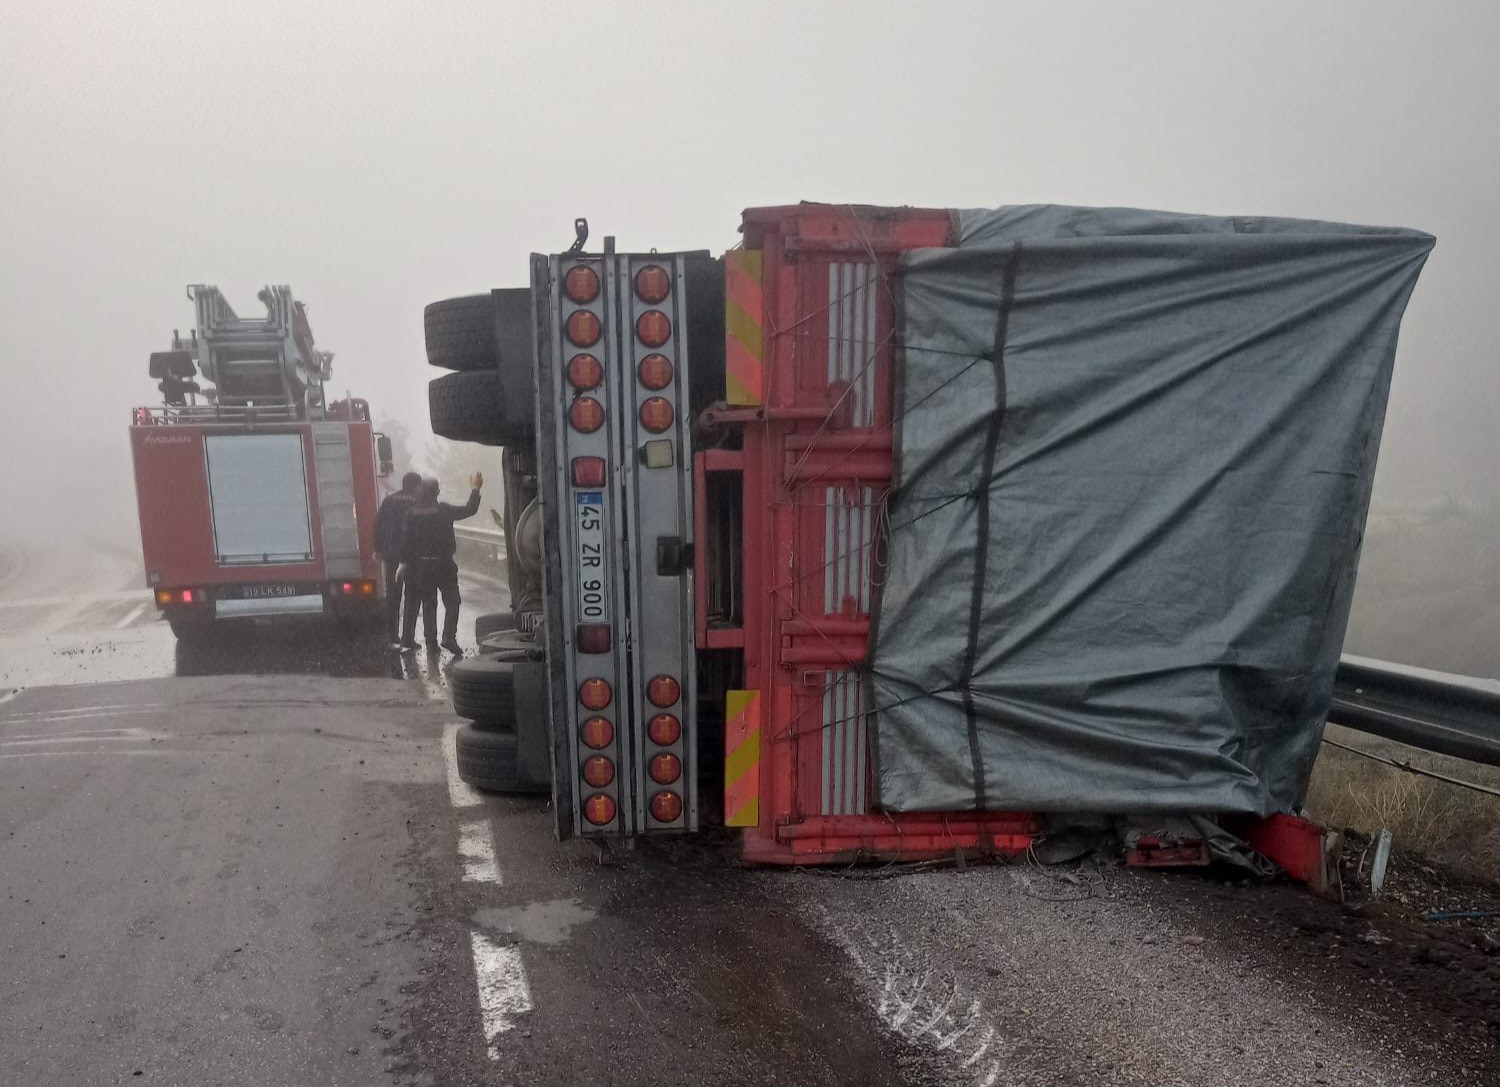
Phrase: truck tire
{"type": "Point", "coordinates": [493, 622]}
{"type": "Point", "coordinates": [470, 407]}
{"type": "Point", "coordinates": [491, 761]}
{"type": "Point", "coordinates": [484, 690]}
{"type": "Point", "coordinates": [461, 333]}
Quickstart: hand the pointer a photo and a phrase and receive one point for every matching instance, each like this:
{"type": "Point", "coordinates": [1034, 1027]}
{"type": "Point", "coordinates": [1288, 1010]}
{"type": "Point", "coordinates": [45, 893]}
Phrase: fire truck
{"type": "Point", "coordinates": [257, 496]}
{"type": "Point", "coordinates": [712, 468]}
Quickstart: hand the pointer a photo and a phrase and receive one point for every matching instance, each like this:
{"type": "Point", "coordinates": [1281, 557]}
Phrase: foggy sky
{"type": "Point", "coordinates": [377, 156]}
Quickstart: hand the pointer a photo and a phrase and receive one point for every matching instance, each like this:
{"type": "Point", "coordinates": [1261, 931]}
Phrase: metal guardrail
{"type": "Point", "coordinates": [1434, 711]}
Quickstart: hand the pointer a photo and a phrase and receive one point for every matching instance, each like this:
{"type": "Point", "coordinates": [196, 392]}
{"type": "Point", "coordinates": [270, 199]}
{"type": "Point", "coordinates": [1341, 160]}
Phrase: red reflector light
{"type": "Point", "coordinates": [653, 328]}
{"type": "Point", "coordinates": [585, 372]}
{"type": "Point", "coordinates": [666, 807]}
{"type": "Point", "coordinates": [666, 769]}
{"type": "Point", "coordinates": [664, 729]}
{"type": "Point", "coordinates": [597, 732]}
{"type": "Point", "coordinates": [657, 414]}
{"type": "Point", "coordinates": [655, 371]}
{"type": "Point", "coordinates": [348, 588]}
{"type": "Point", "coordinates": [652, 284]}
{"type": "Point", "coordinates": [595, 694]}
{"type": "Point", "coordinates": [663, 691]}
{"type": "Point", "coordinates": [599, 809]}
{"type": "Point", "coordinates": [581, 284]}
{"type": "Point", "coordinates": [586, 414]}
{"type": "Point", "coordinates": [588, 471]}
{"type": "Point", "coordinates": [599, 771]}
{"type": "Point", "coordinates": [187, 596]}
{"type": "Point", "coordinates": [584, 329]}
{"type": "Point", "coordinates": [593, 638]}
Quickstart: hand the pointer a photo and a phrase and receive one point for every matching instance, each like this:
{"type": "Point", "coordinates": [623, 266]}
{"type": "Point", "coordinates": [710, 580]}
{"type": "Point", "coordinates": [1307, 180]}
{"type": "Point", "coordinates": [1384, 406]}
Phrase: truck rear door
{"type": "Point", "coordinates": [257, 487]}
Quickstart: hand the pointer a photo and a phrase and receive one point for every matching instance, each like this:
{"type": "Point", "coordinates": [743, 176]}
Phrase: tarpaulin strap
{"type": "Point", "coordinates": [981, 497]}
{"type": "Point", "coordinates": [741, 758]}
{"type": "Point", "coordinates": [744, 319]}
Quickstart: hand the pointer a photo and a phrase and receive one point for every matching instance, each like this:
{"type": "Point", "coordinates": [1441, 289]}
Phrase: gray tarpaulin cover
{"type": "Point", "coordinates": [1134, 458]}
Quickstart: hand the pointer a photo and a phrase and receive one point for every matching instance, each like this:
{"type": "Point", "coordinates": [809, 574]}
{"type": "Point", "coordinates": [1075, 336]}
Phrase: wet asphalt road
{"type": "Point", "coordinates": [241, 865]}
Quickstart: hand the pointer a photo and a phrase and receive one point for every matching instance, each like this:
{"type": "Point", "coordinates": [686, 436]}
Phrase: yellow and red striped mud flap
{"type": "Point", "coordinates": [744, 318]}
{"type": "Point", "coordinates": [742, 758]}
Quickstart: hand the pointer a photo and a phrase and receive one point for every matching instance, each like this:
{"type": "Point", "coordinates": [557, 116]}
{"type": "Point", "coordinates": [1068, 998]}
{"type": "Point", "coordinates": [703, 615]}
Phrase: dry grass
{"type": "Point", "coordinates": [1452, 826]}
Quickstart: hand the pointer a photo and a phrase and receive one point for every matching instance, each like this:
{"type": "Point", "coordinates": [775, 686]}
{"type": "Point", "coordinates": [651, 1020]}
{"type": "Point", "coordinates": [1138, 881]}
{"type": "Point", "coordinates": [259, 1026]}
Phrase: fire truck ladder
{"type": "Point", "coordinates": [265, 362]}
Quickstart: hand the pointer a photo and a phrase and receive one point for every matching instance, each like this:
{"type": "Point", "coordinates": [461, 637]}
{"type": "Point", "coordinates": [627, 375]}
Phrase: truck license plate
{"type": "Point", "coordinates": [261, 592]}
{"type": "Point", "coordinates": [593, 577]}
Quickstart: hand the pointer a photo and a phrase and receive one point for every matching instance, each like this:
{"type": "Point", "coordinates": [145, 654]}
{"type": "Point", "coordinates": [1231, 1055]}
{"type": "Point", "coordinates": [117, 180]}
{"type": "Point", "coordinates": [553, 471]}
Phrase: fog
{"type": "Point", "coordinates": [382, 155]}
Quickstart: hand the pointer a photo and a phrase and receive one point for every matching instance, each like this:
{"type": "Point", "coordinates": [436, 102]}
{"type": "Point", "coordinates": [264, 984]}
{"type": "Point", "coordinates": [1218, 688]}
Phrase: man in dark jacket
{"type": "Point", "coordinates": [388, 523]}
{"type": "Point", "coordinates": [427, 566]}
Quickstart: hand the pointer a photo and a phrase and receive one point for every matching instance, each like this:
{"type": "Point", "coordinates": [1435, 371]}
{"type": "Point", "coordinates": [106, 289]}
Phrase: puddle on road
{"type": "Point", "coordinates": [550, 922]}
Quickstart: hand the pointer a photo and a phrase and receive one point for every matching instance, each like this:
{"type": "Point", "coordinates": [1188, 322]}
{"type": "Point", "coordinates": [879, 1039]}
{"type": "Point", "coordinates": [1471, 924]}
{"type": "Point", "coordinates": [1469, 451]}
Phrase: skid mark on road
{"type": "Point", "coordinates": [476, 848]}
{"type": "Point", "coordinates": [79, 713]}
{"type": "Point", "coordinates": [92, 736]}
{"type": "Point", "coordinates": [504, 993]}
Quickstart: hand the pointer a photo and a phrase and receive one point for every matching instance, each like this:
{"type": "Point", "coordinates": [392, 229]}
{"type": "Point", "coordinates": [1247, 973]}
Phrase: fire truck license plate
{"type": "Point", "coordinates": [593, 577]}
{"type": "Point", "coordinates": [256, 592]}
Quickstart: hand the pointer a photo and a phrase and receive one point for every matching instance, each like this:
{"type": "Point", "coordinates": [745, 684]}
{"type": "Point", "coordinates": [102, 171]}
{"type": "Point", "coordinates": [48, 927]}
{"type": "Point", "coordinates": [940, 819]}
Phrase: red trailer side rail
{"type": "Point", "coordinates": [809, 337]}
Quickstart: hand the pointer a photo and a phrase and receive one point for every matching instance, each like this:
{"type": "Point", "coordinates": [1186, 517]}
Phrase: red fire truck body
{"type": "Point", "coordinates": [257, 504]}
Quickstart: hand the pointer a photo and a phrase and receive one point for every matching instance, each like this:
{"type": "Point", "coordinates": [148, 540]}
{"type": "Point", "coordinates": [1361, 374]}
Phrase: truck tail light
{"type": "Point", "coordinates": [585, 372]}
{"type": "Point", "coordinates": [586, 414]}
{"type": "Point", "coordinates": [588, 471]}
{"type": "Point", "coordinates": [581, 284]}
{"type": "Point", "coordinates": [657, 414]}
{"type": "Point", "coordinates": [663, 691]}
{"type": "Point", "coordinates": [666, 769]}
{"type": "Point", "coordinates": [187, 596]}
{"type": "Point", "coordinates": [652, 284]}
{"type": "Point", "coordinates": [599, 771]}
{"type": "Point", "coordinates": [653, 328]}
{"type": "Point", "coordinates": [593, 637]}
{"type": "Point", "coordinates": [595, 694]}
{"type": "Point", "coordinates": [666, 807]}
{"type": "Point", "coordinates": [655, 372]}
{"type": "Point", "coordinates": [664, 730]}
{"type": "Point", "coordinates": [599, 809]}
{"type": "Point", "coordinates": [584, 328]}
{"type": "Point", "coordinates": [178, 596]}
{"type": "Point", "coordinates": [362, 587]}
{"type": "Point", "coordinates": [597, 732]}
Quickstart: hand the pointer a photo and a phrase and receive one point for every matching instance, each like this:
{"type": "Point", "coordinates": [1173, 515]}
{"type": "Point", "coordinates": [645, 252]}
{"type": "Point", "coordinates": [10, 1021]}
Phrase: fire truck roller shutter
{"type": "Point", "coordinates": [472, 407]}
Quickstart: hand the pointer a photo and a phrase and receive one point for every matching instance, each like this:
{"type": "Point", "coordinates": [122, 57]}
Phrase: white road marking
{"type": "Point", "coordinates": [135, 614]}
{"type": "Point", "coordinates": [460, 793]}
{"type": "Point", "coordinates": [504, 992]}
{"type": "Point", "coordinates": [8, 695]}
{"type": "Point", "coordinates": [111, 754]}
{"type": "Point", "coordinates": [132, 734]}
{"type": "Point", "coordinates": [476, 848]}
{"type": "Point", "coordinates": [55, 601]}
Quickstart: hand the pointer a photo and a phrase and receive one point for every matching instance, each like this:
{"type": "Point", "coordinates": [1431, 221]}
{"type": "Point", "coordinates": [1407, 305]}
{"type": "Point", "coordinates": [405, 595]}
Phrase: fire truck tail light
{"type": "Point", "coordinates": [581, 284]}
{"type": "Point", "coordinates": [594, 637]}
{"type": "Point", "coordinates": [653, 328]}
{"type": "Point", "coordinates": [663, 691]}
{"type": "Point", "coordinates": [595, 694]}
{"type": "Point", "coordinates": [664, 729]}
{"type": "Point", "coordinates": [652, 284]}
{"type": "Point", "coordinates": [586, 414]}
{"type": "Point", "coordinates": [598, 771]}
{"type": "Point", "coordinates": [187, 596]}
{"type": "Point", "coordinates": [656, 414]}
{"type": "Point", "coordinates": [584, 328]}
{"type": "Point", "coordinates": [163, 597]}
{"type": "Point", "coordinates": [666, 769]}
{"type": "Point", "coordinates": [588, 471]}
{"type": "Point", "coordinates": [585, 372]}
{"type": "Point", "coordinates": [599, 809]}
{"type": "Point", "coordinates": [597, 732]}
{"type": "Point", "coordinates": [655, 371]}
{"type": "Point", "coordinates": [666, 807]}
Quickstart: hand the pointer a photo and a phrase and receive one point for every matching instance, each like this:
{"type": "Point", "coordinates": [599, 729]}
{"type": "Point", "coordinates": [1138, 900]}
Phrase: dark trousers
{"type": "Point", "coordinates": [392, 601]}
{"type": "Point", "coordinates": [426, 579]}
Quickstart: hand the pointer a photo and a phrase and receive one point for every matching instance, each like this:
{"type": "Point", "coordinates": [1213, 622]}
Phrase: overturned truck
{"type": "Point", "coordinates": [898, 532]}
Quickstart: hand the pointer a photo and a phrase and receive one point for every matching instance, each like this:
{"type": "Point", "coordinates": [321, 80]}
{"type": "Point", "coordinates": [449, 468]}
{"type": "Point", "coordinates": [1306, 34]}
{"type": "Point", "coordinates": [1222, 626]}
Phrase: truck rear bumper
{"type": "Point", "coordinates": [269, 607]}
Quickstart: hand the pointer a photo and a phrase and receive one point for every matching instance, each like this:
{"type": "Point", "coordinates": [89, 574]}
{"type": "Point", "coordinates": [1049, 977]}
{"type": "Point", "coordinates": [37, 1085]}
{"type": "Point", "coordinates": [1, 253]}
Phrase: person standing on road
{"type": "Point", "coordinates": [427, 566]}
{"type": "Point", "coordinates": [388, 523]}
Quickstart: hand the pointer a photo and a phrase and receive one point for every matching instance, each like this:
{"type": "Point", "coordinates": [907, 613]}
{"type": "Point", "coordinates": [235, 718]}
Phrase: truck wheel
{"type": "Point", "coordinates": [461, 333]}
{"type": "Point", "coordinates": [190, 628]}
{"type": "Point", "coordinates": [493, 622]}
{"type": "Point", "coordinates": [484, 690]}
{"type": "Point", "coordinates": [470, 407]}
{"type": "Point", "coordinates": [490, 760]}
